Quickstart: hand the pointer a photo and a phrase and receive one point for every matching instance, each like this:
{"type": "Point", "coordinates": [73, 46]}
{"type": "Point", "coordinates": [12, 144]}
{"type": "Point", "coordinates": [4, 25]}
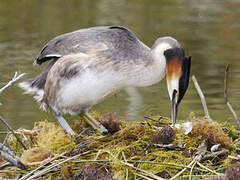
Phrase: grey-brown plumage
{"type": "Point", "coordinates": [89, 64]}
{"type": "Point", "coordinates": [122, 44]}
{"type": "Point", "coordinates": [114, 42]}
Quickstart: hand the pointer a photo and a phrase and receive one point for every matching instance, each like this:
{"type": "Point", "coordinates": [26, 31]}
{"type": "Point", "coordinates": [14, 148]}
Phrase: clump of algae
{"type": "Point", "coordinates": [165, 136]}
{"type": "Point", "coordinates": [53, 137]}
{"type": "Point", "coordinates": [212, 131]}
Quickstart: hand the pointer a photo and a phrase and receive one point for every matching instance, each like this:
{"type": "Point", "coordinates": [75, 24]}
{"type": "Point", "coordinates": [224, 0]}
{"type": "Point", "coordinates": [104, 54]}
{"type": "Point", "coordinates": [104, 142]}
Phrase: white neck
{"type": "Point", "coordinates": [157, 69]}
{"type": "Point", "coordinates": [153, 72]}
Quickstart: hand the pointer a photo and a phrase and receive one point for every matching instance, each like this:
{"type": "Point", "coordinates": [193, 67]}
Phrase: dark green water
{"type": "Point", "coordinates": [208, 29]}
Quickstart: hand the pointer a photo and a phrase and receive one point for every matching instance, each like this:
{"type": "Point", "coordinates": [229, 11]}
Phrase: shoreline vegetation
{"type": "Point", "coordinates": [197, 148]}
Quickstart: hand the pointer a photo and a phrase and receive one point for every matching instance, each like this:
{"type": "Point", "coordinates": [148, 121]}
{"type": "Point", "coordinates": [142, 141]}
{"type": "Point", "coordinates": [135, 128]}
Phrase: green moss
{"type": "Point", "coordinates": [14, 144]}
{"type": "Point", "coordinates": [53, 137]}
{"type": "Point", "coordinates": [164, 158]}
{"type": "Point", "coordinates": [230, 130]}
{"type": "Point", "coordinates": [133, 148]}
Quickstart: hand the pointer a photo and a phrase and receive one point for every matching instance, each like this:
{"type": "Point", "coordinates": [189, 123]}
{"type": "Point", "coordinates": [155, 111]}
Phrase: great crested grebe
{"type": "Point", "coordinates": [90, 64]}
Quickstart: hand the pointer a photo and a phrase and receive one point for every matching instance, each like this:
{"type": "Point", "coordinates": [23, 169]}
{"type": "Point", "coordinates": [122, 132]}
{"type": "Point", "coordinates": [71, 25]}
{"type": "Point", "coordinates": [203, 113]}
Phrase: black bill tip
{"type": "Point", "coordinates": [174, 107]}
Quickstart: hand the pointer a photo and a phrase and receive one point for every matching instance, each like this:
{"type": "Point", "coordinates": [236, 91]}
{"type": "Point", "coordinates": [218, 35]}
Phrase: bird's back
{"type": "Point", "coordinates": [115, 47]}
{"type": "Point", "coordinates": [112, 42]}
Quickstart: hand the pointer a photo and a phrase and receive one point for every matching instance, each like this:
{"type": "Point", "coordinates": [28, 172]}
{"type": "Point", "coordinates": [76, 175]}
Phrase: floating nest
{"type": "Point", "coordinates": [148, 149]}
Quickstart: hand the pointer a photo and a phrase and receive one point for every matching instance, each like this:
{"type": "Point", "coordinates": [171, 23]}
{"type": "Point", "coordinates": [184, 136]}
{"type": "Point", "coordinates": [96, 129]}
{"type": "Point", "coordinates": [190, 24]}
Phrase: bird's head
{"type": "Point", "coordinates": [177, 74]}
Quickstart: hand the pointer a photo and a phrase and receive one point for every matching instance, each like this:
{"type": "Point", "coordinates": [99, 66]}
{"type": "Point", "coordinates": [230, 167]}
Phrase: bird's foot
{"type": "Point", "coordinates": [173, 125]}
{"type": "Point", "coordinates": [75, 139]}
{"type": "Point", "coordinates": [96, 124]}
{"type": "Point", "coordinates": [99, 127]}
{"type": "Point", "coordinates": [102, 129]}
{"type": "Point", "coordinates": [63, 123]}
{"type": "Point", "coordinates": [104, 133]}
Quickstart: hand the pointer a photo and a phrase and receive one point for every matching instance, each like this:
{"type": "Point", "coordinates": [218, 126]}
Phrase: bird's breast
{"type": "Point", "coordinates": [88, 89]}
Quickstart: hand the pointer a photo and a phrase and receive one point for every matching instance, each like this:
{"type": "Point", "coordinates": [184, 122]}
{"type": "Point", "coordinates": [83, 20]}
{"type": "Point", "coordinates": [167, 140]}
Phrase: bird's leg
{"type": "Point", "coordinates": [94, 123]}
{"type": "Point", "coordinates": [63, 123]}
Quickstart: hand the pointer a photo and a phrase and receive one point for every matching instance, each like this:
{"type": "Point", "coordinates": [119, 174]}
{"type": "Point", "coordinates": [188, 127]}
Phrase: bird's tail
{"type": "Point", "coordinates": [35, 86]}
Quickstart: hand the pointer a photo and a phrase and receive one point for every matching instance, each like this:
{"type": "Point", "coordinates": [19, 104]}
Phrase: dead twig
{"type": "Point", "coordinates": [171, 146]}
{"type": "Point", "coordinates": [145, 174]}
{"type": "Point", "coordinates": [157, 121]}
{"type": "Point", "coordinates": [11, 130]}
{"type": "Point", "coordinates": [234, 159]}
{"type": "Point", "coordinates": [7, 164]}
{"type": "Point", "coordinates": [10, 157]}
{"type": "Point", "coordinates": [15, 78]}
{"type": "Point", "coordinates": [12, 82]}
{"type": "Point", "coordinates": [199, 155]}
{"type": "Point", "coordinates": [214, 155]}
{"type": "Point", "coordinates": [6, 138]}
{"type": "Point", "coordinates": [42, 166]}
{"type": "Point", "coordinates": [226, 97]}
{"type": "Point", "coordinates": [40, 173]}
{"type": "Point", "coordinates": [201, 97]}
{"type": "Point", "coordinates": [85, 143]}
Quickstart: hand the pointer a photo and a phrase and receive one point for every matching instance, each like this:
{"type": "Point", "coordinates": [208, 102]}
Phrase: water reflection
{"type": "Point", "coordinates": [209, 30]}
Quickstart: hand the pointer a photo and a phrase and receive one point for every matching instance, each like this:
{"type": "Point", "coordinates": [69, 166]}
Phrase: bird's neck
{"type": "Point", "coordinates": [155, 71]}
{"type": "Point", "coordinates": [150, 73]}
{"type": "Point", "coordinates": [159, 61]}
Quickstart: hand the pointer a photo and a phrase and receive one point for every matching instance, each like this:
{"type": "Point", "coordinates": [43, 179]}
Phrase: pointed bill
{"type": "Point", "coordinates": [174, 107]}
